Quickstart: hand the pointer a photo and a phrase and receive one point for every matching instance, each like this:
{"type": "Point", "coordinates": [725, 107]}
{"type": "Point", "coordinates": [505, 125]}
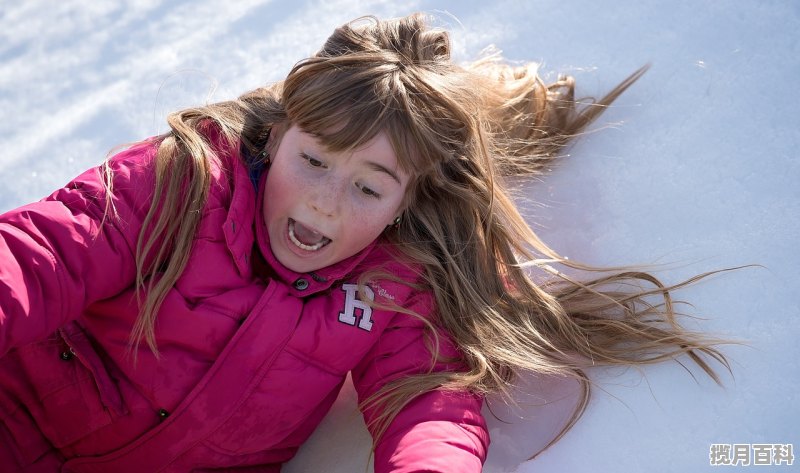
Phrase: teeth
{"type": "Point", "coordinates": [302, 245]}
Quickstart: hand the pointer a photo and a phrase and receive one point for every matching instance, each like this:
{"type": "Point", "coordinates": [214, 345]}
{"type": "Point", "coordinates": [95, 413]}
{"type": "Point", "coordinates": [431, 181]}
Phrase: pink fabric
{"type": "Point", "coordinates": [248, 366]}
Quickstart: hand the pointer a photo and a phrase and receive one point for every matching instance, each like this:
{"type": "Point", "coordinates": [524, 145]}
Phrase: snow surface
{"type": "Point", "coordinates": [695, 170]}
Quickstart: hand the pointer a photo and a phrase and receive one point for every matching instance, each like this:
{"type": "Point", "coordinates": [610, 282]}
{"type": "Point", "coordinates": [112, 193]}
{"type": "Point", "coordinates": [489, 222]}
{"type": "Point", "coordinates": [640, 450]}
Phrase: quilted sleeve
{"type": "Point", "coordinates": [64, 252]}
{"type": "Point", "coordinates": [439, 431]}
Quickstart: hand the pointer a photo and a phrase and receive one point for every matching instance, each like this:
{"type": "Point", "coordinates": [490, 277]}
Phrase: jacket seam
{"type": "Point", "coordinates": [311, 361]}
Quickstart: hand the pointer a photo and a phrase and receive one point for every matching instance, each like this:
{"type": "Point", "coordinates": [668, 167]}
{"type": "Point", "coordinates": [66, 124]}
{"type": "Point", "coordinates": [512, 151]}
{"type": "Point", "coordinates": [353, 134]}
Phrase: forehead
{"type": "Point", "coordinates": [347, 131]}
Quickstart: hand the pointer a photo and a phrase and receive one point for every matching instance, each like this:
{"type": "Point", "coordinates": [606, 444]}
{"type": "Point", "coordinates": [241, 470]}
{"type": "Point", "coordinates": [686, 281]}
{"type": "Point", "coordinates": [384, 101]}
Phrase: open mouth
{"type": "Point", "coordinates": [306, 238]}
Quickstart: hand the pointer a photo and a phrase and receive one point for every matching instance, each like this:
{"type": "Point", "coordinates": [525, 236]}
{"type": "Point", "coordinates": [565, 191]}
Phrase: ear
{"type": "Point", "coordinates": [396, 222]}
{"type": "Point", "coordinates": [275, 135]}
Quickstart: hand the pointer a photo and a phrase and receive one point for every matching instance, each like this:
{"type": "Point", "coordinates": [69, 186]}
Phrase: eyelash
{"type": "Point", "coordinates": [316, 164]}
{"type": "Point", "coordinates": [312, 162]}
{"type": "Point", "coordinates": [368, 192]}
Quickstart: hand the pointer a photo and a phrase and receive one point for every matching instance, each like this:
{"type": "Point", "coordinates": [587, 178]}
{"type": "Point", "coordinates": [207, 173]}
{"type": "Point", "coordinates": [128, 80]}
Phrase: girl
{"type": "Point", "coordinates": [195, 303]}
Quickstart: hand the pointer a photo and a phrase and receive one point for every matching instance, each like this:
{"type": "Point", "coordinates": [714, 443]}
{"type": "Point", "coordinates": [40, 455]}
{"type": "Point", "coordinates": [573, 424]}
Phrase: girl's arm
{"type": "Point", "coordinates": [68, 250]}
{"type": "Point", "coordinates": [439, 431]}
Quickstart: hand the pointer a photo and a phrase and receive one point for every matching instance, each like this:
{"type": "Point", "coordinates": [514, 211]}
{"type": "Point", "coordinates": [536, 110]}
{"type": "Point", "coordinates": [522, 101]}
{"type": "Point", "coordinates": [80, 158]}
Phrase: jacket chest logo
{"type": "Point", "coordinates": [356, 312]}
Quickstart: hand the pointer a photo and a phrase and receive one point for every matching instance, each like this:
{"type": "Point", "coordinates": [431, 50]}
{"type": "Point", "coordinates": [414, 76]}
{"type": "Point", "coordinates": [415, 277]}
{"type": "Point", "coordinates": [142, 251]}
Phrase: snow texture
{"type": "Point", "coordinates": [693, 169]}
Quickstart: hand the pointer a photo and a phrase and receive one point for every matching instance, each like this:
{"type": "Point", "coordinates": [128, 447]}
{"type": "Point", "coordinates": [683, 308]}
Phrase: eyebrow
{"type": "Point", "coordinates": [380, 168]}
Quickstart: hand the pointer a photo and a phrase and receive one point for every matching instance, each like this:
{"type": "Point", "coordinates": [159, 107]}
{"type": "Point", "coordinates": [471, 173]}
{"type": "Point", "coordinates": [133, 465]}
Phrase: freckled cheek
{"type": "Point", "coordinates": [369, 221]}
{"type": "Point", "coordinates": [284, 190]}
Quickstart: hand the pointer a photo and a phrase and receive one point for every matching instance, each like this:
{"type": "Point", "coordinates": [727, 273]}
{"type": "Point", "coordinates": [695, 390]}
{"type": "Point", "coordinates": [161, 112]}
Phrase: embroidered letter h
{"type": "Point", "coordinates": [352, 303]}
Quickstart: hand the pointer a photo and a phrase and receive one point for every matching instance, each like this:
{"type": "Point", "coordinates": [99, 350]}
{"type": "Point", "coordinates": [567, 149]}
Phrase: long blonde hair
{"type": "Point", "coordinates": [459, 131]}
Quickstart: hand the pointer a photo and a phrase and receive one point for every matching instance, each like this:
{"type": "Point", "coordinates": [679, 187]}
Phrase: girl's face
{"type": "Point", "coordinates": [322, 207]}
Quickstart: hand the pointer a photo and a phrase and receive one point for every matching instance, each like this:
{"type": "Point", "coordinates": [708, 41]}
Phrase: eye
{"type": "Point", "coordinates": [313, 162]}
{"type": "Point", "coordinates": [367, 191]}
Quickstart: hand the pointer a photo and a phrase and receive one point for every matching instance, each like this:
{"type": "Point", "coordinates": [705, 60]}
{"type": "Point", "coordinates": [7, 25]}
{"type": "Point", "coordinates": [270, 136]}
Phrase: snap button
{"type": "Point", "coordinates": [301, 284]}
{"type": "Point", "coordinates": [163, 414]}
{"type": "Point", "coordinates": [66, 355]}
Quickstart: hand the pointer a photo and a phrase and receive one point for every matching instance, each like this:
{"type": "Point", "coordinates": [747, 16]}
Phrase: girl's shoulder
{"type": "Point", "coordinates": [135, 169]}
{"type": "Point", "coordinates": [225, 161]}
{"type": "Point", "coordinates": [392, 277]}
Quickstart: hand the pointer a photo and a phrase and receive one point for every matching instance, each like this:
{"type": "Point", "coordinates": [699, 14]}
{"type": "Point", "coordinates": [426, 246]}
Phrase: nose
{"type": "Point", "coordinates": [327, 197]}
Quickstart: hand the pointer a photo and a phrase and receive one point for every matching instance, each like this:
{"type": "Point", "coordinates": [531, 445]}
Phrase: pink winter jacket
{"type": "Point", "coordinates": [249, 364]}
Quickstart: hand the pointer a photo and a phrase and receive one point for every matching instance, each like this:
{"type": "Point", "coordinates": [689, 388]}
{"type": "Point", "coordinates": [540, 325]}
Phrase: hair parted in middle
{"type": "Point", "coordinates": [459, 131]}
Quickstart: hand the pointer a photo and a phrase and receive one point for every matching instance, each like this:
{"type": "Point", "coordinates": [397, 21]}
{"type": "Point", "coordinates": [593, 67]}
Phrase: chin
{"type": "Point", "coordinates": [300, 266]}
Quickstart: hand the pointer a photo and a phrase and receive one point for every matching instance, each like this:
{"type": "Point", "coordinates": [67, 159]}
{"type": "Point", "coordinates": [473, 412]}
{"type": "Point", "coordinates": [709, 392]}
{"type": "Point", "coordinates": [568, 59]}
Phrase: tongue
{"type": "Point", "coordinates": [306, 235]}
